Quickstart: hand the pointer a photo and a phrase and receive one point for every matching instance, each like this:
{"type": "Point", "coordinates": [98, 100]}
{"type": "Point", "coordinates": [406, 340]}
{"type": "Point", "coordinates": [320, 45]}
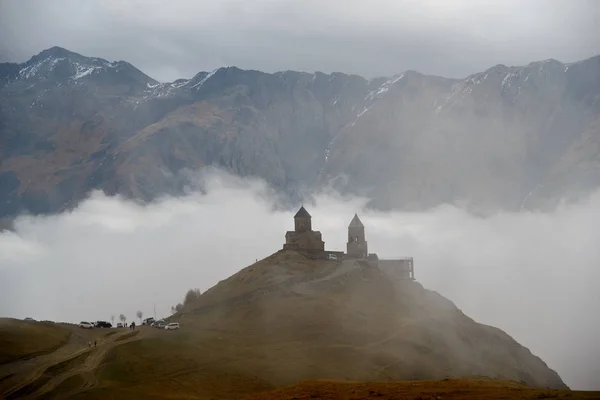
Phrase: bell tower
{"type": "Point", "coordinates": [302, 221]}
{"type": "Point", "coordinates": [357, 245]}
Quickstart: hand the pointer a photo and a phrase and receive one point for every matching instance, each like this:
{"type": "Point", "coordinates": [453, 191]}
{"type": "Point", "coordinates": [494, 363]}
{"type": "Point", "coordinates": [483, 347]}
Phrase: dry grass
{"type": "Point", "coordinates": [24, 339]}
{"type": "Point", "coordinates": [448, 389]}
{"type": "Point", "coordinates": [165, 366]}
{"type": "Point", "coordinates": [50, 372]}
{"type": "Point", "coordinates": [126, 336]}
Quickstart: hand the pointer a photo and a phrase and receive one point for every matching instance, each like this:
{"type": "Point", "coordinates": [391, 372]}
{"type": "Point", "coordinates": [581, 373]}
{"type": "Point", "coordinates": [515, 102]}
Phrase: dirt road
{"type": "Point", "coordinates": [39, 376]}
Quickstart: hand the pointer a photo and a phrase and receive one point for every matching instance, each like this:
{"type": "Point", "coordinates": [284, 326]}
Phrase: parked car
{"type": "Point", "coordinates": [29, 319]}
{"type": "Point", "coordinates": [148, 321]}
{"type": "Point", "coordinates": [86, 325]}
{"type": "Point", "coordinates": [160, 324]}
{"type": "Point", "coordinates": [103, 324]}
{"type": "Point", "coordinates": [120, 325]}
{"type": "Point", "coordinates": [172, 326]}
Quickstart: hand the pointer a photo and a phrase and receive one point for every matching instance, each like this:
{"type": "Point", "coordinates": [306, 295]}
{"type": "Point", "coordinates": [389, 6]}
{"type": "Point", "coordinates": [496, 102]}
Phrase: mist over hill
{"type": "Point", "coordinates": [507, 138]}
{"type": "Point", "coordinates": [530, 274]}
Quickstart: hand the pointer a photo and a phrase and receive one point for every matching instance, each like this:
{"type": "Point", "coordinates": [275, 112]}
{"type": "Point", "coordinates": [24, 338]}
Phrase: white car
{"type": "Point", "coordinates": [172, 325]}
{"type": "Point", "coordinates": [85, 325]}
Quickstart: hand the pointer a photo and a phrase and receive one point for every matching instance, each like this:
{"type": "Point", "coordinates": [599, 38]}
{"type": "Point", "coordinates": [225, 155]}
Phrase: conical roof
{"type": "Point", "coordinates": [302, 213]}
{"type": "Point", "coordinates": [356, 222]}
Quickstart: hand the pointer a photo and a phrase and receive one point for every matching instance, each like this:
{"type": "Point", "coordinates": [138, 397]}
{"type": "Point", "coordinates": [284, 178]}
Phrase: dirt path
{"type": "Point", "coordinates": [12, 374]}
{"type": "Point", "coordinates": [87, 369]}
{"type": "Point", "coordinates": [41, 375]}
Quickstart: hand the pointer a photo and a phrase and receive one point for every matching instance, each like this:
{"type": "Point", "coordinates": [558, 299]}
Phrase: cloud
{"type": "Point", "coordinates": [381, 37]}
{"type": "Point", "coordinates": [533, 275]}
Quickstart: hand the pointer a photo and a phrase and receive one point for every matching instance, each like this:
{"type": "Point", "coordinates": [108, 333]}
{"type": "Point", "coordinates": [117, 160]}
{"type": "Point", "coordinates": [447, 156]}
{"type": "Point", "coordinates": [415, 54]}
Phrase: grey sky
{"type": "Point", "coordinates": [532, 275]}
{"type": "Point", "coordinates": [175, 39]}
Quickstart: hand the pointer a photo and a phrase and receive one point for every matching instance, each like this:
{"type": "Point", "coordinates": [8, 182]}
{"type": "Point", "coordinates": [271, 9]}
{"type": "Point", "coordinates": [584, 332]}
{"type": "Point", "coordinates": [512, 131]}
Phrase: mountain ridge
{"type": "Point", "coordinates": [411, 141]}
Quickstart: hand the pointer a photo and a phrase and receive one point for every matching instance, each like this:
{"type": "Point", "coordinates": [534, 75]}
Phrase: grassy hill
{"type": "Point", "coordinates": [23, 339]}
{"type": "Point", "coordinates": [288, 319]}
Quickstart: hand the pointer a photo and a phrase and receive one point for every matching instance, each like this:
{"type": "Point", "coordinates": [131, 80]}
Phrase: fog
{"type": "Point", "coordinates": [533, 275]}
{"type": "Point", "coordinates": [452, 38]}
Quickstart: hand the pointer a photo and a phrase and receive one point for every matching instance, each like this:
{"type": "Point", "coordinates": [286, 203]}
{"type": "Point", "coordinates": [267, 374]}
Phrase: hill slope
{"type": "Point", "coordinates": [20, 340]}
{"type": "Point", "coordinates": [288, 318]}
{"type": "Point", "coordinates": [508, 137]}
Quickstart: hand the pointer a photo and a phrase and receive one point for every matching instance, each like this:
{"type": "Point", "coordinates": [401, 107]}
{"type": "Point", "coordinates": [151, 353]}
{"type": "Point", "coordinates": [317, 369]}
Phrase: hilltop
{"type": "Point", "coordinates": [504, 138]}
{"type": "Point", "coordinates": [290, 318]}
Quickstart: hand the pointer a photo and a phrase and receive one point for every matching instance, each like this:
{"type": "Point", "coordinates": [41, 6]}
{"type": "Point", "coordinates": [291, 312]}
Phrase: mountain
{"type": "Point", "coordinates": [506, 138]}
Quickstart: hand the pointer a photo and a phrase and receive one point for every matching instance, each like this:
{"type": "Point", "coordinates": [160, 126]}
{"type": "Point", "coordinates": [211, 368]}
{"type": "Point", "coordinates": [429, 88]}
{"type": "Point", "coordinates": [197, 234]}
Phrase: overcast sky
{"type": "Point", "coordinates": [535, 276]}
{"type": "Point", "coordinates": [178, 38]}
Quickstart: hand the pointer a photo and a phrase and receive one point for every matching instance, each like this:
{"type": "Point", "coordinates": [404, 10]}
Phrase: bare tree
{"type": "Point", "coordinates": [176, 309]}
{"type": "Point", "coordinates": [140, 315]}
{"type": "Point", "coordinates": [123, 318]}
{"type": "Point", "coordinates": [112, 319]}
{"type": "Point", "coordinates": [191, 295]}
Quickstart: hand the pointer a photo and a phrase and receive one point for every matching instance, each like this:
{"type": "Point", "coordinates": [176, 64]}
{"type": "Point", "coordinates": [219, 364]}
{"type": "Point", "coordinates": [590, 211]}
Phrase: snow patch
{"type": "Point", "coordinates": [383, 88]}
{"type": "Point", "coordinates": [507, 81]}
{"type": "Point", "coordinates": [180, 84]}
{"type": "Point", "coordinates": [207, 77]}
{"type": "Point", "coordinates": [84, 70]}
{"type": "Point", "coordinates": [30, 71]}
{"type": "Point", "coordinates": [360, 114]}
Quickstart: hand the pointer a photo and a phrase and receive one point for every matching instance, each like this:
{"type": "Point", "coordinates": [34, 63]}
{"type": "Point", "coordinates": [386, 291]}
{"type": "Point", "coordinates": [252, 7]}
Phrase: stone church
{"type": "Point", "coordinates": [310, 242]}
{"type": "Point", "coordinates": [303, 237]}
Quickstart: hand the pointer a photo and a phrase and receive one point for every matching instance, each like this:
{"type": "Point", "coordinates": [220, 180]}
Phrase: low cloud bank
{"type": "Point", "coordinates": [533, 275]}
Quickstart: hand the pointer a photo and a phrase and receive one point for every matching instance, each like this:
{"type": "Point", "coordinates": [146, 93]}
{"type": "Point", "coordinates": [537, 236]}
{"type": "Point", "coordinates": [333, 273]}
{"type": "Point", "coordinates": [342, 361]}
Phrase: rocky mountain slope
{"type": "Point", "coordinates": [505, 138]}
{"type": "Point", "coordinates": [288, 318]}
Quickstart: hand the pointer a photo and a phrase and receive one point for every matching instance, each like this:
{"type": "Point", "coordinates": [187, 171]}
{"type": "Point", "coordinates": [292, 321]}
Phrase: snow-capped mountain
{"type": "Point", "coordinates": [508, 137]}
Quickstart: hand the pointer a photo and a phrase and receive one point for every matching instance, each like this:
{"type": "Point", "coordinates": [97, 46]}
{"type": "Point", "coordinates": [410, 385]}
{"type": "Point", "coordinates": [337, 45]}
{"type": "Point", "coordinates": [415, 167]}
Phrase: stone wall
{"type": "Point", "coordinates": [306, 241]}
{"type": "Point", "coordinates": [401, 268]}
{"type": "Point", "coordinates": [357, 249]}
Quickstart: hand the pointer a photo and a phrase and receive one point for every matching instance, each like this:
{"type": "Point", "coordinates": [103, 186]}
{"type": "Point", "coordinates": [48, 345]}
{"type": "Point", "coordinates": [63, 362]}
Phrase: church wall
{"type": "Point", "coordinates": [401, 268]}
{"type": "Point", "coordinates": [304, 241]}
{"type": "Point", "coordinates": [357, 249]}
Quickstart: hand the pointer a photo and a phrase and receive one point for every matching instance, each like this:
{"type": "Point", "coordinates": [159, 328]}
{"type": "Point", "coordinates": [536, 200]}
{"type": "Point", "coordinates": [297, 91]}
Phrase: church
{"type": "Point", "coordinates": [309, 242]}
